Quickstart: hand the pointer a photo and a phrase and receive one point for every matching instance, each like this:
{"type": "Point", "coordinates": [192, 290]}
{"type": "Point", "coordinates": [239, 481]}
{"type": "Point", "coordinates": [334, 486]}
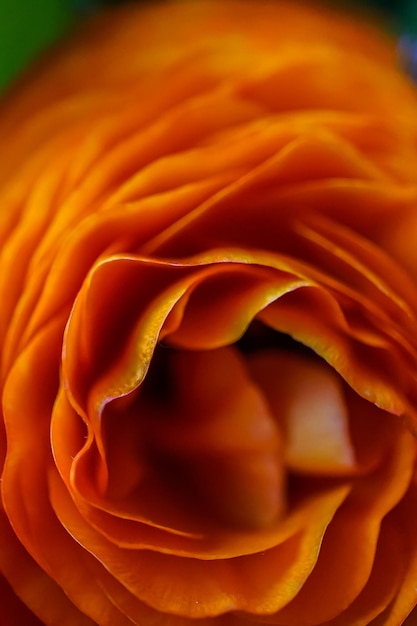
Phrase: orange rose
{"type": "Point", "coordinates": [209, 323]}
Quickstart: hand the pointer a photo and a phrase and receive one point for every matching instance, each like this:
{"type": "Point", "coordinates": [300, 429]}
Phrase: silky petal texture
{"type": "Point", "coordinates": [95, 550]}
{"type": "Point", "coordinates": [14, 612]}
{"type": "Point", "coordinates": [310, 403]}
{"type": "Point", "coordinates": [42, 530]}
{"type": "Point", "coordinates": [208, 322]}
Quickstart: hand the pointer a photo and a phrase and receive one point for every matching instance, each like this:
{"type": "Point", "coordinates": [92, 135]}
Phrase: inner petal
{"type": "Point", "coordinates": [306, 397]}
{"type": "Point", "coordinates": [214, 431]}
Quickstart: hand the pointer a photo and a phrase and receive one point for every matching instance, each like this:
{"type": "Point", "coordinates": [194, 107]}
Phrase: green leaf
{"type": "Point", "coordinates": [26, 28]}
{"type": "Point", "coordinates": [29, 26]}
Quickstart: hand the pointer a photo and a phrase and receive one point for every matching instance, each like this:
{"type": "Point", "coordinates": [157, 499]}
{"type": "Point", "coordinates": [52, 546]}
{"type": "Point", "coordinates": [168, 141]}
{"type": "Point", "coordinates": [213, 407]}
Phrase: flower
{"type": "Point", "coordinates": [208, 323]}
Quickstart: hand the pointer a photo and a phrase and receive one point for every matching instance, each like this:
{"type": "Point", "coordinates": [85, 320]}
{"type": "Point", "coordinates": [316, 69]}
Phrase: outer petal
{"type": "Point", "coordinates": [177, 173]}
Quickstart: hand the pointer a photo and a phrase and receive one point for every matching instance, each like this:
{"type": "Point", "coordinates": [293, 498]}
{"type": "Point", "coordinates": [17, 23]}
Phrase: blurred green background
{"type": "Point", "coordinates": [29, 26]}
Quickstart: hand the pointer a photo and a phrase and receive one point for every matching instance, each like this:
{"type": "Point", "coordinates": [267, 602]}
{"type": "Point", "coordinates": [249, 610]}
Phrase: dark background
{"type": "Point", "coordinates": [29, 26]}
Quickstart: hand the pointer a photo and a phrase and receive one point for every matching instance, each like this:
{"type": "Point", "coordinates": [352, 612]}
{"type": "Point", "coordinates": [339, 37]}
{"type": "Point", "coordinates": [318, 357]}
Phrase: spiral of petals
{"type": "Point", "coordinates": [208, 323]}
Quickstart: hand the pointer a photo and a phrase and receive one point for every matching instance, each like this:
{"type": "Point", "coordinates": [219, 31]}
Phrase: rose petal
{"type": "Point", "coordinates": [307, 400]}
{"type": "Point", "coordinates": [218, 585]}
{"type": "Point", "coordinates": [405, 600]}
{"type": "Point", "coordinates": [34, 587]}
{"type": "Point", "coordinates": [350, 543]}
{"type": "Point", "coordinates": [215, 422]}
{"type": "Point", "coordinates": [26, 501]}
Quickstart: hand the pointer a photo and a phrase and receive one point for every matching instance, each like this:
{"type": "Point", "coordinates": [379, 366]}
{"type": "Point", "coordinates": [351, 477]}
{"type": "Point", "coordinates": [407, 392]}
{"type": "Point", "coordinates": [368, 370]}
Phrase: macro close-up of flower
{"type": "Point", "coordinates": [208, 321]}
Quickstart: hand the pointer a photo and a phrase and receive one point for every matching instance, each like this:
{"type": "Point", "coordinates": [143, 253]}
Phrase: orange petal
{"type": "Point", "coordinates": [196, 588]}
{"type": "Point", "coordinates": [306, 398]}
{"type": "Point", "coordinates": [350, 543]}
{"type": "Point", "coordinates": [218, 424]}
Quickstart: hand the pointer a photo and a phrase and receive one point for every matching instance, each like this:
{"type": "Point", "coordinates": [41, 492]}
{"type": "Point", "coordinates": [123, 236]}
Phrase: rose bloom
{"type": "Point", "coordinates": [208, 323]}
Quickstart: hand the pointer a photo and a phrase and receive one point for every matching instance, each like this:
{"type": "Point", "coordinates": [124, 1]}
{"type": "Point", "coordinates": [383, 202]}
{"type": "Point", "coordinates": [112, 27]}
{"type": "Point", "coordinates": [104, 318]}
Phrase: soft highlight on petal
{"type": "Point", "coordinates": [208, 322]}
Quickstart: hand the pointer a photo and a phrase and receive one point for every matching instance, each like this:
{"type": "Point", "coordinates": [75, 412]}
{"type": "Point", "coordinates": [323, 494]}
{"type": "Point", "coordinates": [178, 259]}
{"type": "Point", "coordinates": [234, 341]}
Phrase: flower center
{"type": "Point", "coordinates": [228, 428]}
